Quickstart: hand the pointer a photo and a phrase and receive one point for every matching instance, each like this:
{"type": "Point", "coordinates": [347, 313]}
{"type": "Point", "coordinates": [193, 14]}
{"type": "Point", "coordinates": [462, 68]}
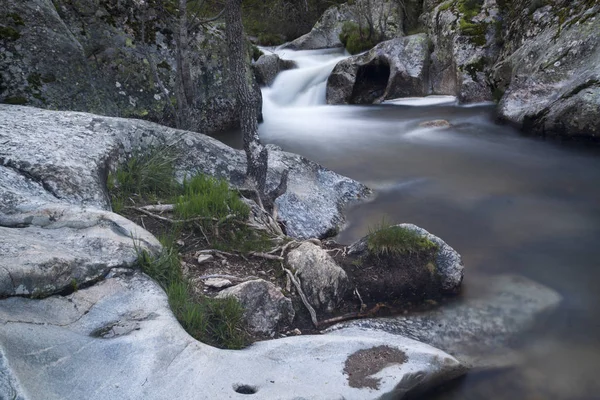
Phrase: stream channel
{"type": "Point", "coordinates": [507, 203]}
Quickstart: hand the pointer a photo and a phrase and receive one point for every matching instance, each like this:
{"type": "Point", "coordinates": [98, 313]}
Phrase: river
{"type": "Point", "coordinates": [506, 202]}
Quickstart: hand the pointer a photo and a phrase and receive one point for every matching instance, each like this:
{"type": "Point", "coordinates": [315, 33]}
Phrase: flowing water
{"type": "Point", "coordinates": [507, 203]}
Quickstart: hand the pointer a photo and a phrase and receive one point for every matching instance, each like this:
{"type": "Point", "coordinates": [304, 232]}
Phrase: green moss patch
{"type": "Point", "coordinates": [355, 39]}
{"type": "Point", "coordinates": [9, 33]}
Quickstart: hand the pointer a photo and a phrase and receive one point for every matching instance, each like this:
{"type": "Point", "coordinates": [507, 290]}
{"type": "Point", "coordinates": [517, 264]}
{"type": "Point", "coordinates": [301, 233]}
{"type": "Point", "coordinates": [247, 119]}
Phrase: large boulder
{"type": "Point", "coordinates": [266, 309]}
{"type": "Point", "coordinates": [392, 69]}
{"type": "Point", "coordinates": [549, 70]}
{"type": "Point", "coordinates": [464, 41]}
{"type": "Point", "coordinates": [326, 32]}
{"type": "Point", "coordinates": [481, 328]}
{"type": "Point", "coordinates": [65, 157]}
{"type": "Point", "coordinates": [386, 17]}
{"type": "Point", "coordinates": [114, 58]}
{"type": "Point", "coordinates": [323, 281]}
{"type": "Point", "coordinates": [119, 339]}
{"type": "Point", "coordinates": [268, 66]}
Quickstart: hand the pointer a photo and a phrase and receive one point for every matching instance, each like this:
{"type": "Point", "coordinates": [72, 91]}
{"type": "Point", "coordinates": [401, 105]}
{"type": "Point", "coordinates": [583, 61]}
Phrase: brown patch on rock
{"type": "Point", "coordinates": [361, 365]}
{"type": "Point", "coordinates": [436, 123]}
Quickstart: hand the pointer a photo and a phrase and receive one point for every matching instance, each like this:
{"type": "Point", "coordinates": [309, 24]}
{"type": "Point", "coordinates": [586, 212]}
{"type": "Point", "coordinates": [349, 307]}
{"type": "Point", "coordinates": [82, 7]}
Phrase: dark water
{"type": "Point", "coordinates": [507, 203]}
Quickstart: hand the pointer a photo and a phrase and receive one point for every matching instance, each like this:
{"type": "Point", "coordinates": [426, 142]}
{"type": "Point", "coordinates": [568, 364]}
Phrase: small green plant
{"type": "Point", "coordinates": [209, 197]}
{"type": "Point", "coordinates": [355, 39]}
{"type": "Point", "coordinates": [215, 321]}
{"type": "Point", "coordinates": [389, 240]}
{"type": "Point", "coordinates": [270, 39]}
{"type": "Point", "coordinates": [256, 53]}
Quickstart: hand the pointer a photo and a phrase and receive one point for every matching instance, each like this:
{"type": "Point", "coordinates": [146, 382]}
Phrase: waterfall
{"type": "Point", "coordinates": [305, 85]}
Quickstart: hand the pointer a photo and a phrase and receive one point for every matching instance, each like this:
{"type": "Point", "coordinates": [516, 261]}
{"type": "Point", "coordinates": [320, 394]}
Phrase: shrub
{"type": "Point", "coordinates": [386, 240]}
{"type": "Point", "coordinates": [270, 39]}
{"type": "Point", "coordinates": [356, 40]}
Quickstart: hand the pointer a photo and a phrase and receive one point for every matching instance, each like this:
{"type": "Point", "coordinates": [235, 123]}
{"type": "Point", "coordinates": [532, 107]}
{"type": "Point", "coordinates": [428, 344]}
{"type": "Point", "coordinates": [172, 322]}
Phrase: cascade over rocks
{"type": "Point", "coordinates": [65, 158]}
{"type": "Point", "coordinates": [392, 69]}
{"type": "Point", "coordinates": [115, 58]}
{"type": "Point", "coordinates": [268, 66]}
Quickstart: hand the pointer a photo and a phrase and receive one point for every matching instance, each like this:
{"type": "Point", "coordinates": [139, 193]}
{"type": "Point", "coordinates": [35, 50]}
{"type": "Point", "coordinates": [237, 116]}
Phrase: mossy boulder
{"type": "Point", "coordinates": [110, 57]}
{"type": "Point", "coordinates": [464, 42]}
{"type": "Point", "coordinates": [402, 263]}
{"type": "Point", "coordinates": [549, 69]}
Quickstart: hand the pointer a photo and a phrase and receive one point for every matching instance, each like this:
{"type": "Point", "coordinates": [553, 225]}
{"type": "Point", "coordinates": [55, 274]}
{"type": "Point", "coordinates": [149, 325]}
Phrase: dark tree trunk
{"type": "Point", "coordinates": [184, 92]}
{"type": "Point", "coordinates": [256, 154]}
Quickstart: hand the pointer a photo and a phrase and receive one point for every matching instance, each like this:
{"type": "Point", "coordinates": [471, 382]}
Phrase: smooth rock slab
{"type": "Point", "coordinates": [51, 350]}
{"type": "Point", "coordinates": [323, 281]}
{"type": "Point", "coordinates": [58, 247]}
{"type": "Point", "coordinates": [478, 331]}
{"type": "Point", "coordinates": [266, 309]}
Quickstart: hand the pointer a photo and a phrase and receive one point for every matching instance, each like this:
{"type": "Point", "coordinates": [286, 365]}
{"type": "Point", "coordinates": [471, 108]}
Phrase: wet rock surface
{"type": "Point", "coordinates": [478, 331]}
{"type": "Point", "coordinates": [550, 71]}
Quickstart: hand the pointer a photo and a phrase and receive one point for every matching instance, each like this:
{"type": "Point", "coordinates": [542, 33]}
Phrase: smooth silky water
{"type": "Point", "coordinates": [505, 202]}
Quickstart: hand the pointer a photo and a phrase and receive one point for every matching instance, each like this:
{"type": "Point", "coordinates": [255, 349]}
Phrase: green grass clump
{"type": "Point", "coordinates": [149, 175]}
{"type": "Point", "coordinates": [356, 40]}
{"type": "Point", "coordinates": [218, 322]}
{"type": "Point", "coordinates": [270, 39]}
{"type": "Point", "coordinates": [205, 196]}
{"type": "Point", "coordinates": [386, 240]}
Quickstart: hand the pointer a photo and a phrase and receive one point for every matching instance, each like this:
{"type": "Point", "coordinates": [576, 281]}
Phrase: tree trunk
{"type": "Point", "coordinates": [256, 154]}
{"type": "Point", "coordinates": [184, 92]}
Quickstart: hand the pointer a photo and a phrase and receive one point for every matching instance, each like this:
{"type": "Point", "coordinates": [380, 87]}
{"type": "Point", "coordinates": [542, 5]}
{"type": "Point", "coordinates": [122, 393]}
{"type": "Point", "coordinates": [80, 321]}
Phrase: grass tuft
{"type": "Point", "coordinates": [205, 196]}
{"type": "Point", "coordinates": [145, 176]}
{"type": "Point", "coordinates": [218, 322]}
{"type": "Point", "coordinates": [389, 240]}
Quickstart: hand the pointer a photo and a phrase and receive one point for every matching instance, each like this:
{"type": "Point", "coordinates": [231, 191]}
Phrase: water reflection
{"type": "Point", "coordinates": [507, 203]}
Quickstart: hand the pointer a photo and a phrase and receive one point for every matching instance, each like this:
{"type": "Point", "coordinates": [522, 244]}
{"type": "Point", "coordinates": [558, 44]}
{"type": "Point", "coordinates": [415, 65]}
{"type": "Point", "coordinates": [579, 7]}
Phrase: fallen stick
{"type": "Point", "coordinates": [354, 315]}
{"type": "Point", "coordinates": [230, 277]}
{"type": "Point", "coordinates": [159, 207]}
{"type": "Point", "coordinates": [267, 256]}
{"type": "Point", "coordinates": [311, 310]}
